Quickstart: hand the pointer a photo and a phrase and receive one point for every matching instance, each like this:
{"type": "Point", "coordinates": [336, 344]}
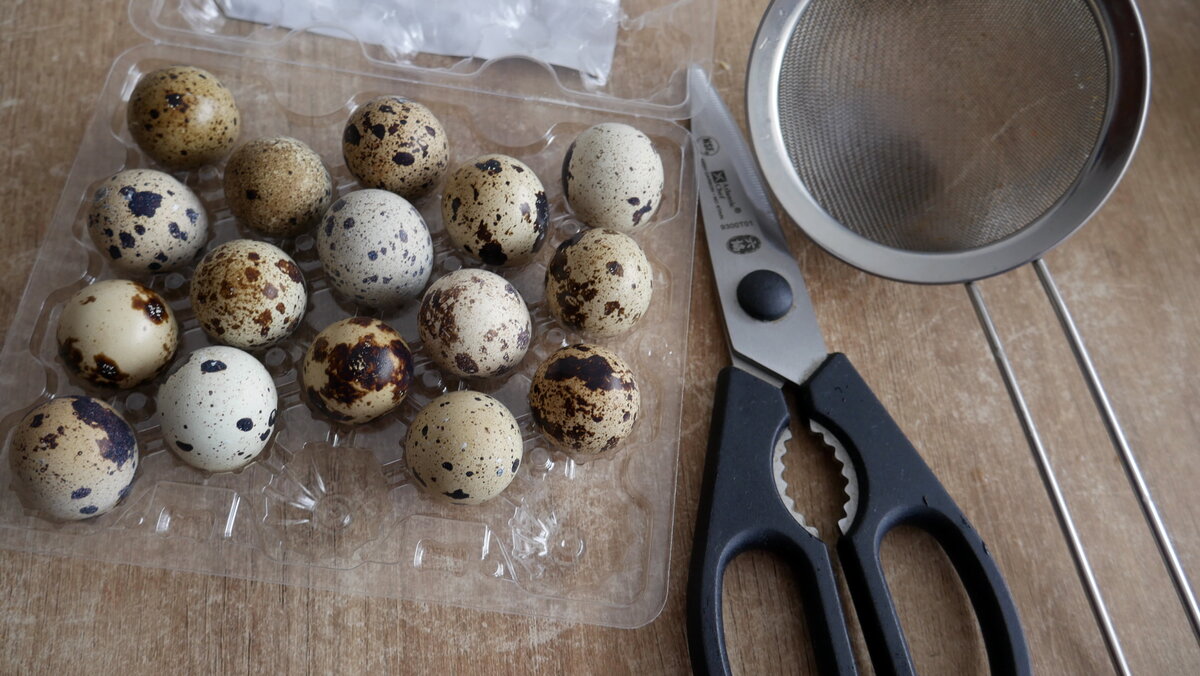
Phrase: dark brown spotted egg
{"type": "Point", "coordinates": [143, 220]}
{"type": "Point", "coordinates": [464, 447]}
{"type": "Point", "coordinates": [357, 369]}
{"type": "Point", "coordinates": [248, 294]}
{"type": "Point", "coordinates": [599, 282]}
{"type": "Point", "coordinates": [494, 208]}
{"type": "Point", "coordinates": [585, 400]}
{"type": "Point", "coordinates": [218, 409]}
{"type": "Point", "coordinates": [395, 144]}
{"type": "Point", "coordinates": [277, 186]}
{"type": "Point", "coordinates": [613, 177]}
{"type": "Point", "coordinates": [183, 117]}
{"type": "Point", "coordinates": [73, 457]}
{"type": "Point", "coordinates": [117, 333]}
{"type": "Point", "coordinates": [474, 323]}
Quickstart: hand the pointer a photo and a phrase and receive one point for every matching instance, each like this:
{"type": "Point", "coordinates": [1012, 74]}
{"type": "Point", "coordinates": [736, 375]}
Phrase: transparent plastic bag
{"type": "Point", "coordinates": [576, 34]}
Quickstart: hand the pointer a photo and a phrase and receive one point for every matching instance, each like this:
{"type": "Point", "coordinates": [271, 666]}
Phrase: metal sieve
{"type": "Point", "coordinates": [949, 141]}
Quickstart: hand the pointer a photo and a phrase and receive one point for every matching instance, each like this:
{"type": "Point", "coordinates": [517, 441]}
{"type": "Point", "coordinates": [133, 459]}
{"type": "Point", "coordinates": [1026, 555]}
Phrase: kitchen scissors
{"type": "Point", "coordinates": [776, 343]}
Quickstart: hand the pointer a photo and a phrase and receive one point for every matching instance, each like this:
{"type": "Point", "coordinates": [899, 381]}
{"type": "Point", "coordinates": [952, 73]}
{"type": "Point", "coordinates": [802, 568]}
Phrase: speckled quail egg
{"type": "Point", "coordinates": [143, 220]}
{"type": "Point", "coordinates": [183, 117]}
{"type": "Point", "coordinates": [599, 282]}
{"type": "Point", "coordinates": [375, 248]}
{"type": "Point", "coordinates": [73, 457]}
{"type": "Point", "coordinates": [357, 369]}
{"type": "Point", "coordinates": [218, 409]}
{"type": "Point", "coordinates": [613, 177]}
{"type": "Point", "coordinates": [277, 186]}
{"type": "Point", "coordinates": [585, 400]}
{"type": "Point", "coordinates": [494, 208]}
{"type": "Point", "coordinates": [117, 332]}
{"type": "Point", "coordinates": [474, 323]}
{"type": "Point", "coordinates": [395, 144]}
{"type": "Point", "coordinates": [248, 294]}
{"type": "Point", "coordinates": [464, 447]}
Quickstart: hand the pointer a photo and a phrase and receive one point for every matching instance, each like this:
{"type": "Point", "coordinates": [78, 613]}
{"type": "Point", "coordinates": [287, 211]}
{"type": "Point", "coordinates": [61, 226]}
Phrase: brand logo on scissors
{"type": "Point", "coordinates": [743, 244]}
{"type": "Point", "coordinates": [718, 182]}
{"type": "Point", "coordinates": [709, 146]}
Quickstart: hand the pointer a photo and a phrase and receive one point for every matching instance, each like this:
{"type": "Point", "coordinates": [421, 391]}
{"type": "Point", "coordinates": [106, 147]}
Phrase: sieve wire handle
{"type": "Point", "coordinates": [1065, 522]}
{"type": "Point", "coordinates": [1115, 432]}
{"type": "Point", "coordinates": [897, 488]}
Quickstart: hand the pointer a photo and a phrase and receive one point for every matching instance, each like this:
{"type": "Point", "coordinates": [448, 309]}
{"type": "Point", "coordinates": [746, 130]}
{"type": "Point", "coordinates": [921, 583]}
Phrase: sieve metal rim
{"type": "Point", "coordinates": [1125, 116]}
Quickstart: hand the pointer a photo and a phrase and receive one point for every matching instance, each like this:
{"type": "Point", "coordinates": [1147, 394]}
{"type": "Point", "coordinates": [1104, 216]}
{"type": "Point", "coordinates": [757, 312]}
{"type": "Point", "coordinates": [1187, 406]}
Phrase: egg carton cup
{"type": "Point", "coordinates": [332, 506]}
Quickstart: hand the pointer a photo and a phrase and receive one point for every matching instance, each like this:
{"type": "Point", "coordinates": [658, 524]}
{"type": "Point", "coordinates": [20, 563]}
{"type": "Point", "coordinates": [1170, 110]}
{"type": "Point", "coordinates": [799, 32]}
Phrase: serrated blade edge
{"type": "Point", "coordinates": [781, 485]}
{"type": "Point", "coordinates": [850, 509]}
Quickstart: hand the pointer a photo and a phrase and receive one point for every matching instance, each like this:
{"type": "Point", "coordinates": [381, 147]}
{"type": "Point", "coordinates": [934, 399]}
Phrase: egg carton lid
{"type": "Point", "coordinates": [628, 56]}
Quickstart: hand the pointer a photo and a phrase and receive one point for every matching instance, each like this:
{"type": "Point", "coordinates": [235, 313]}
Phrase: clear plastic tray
{"type": "Point", "coordinates": [333, 507]}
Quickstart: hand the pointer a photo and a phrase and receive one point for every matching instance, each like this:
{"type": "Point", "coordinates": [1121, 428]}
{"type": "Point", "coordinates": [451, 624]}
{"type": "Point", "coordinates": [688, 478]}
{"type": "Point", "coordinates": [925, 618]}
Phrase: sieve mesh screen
{"type": "Point", "coordinates": [942, 126]}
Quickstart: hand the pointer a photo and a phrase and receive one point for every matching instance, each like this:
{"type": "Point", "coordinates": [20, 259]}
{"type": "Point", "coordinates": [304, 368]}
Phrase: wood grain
{"type": "Point", "coordinates": [1132, 277]}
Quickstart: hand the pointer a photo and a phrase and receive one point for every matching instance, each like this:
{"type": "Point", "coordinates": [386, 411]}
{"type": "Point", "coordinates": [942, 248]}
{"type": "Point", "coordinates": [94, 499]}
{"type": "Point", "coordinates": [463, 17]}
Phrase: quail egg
{"type": "Point", "coordinates": [395, 144]}
{"type": "Point", "coordinates": [277, 186]}
{"type": "Point", "coordinates": [248, 294]}
{"type": "Point", "coordinates": [599, 282]}
{"type": "Point", "coordinates": [117, 332]}
{"type": "Point", "coordinates": [375, 248]}
{"type": "Point", "coordinates": [183, 117]}
{"type": "Point", "coordinates": [613, 177]}
{"type": "Point", "coordinates": [143, 220]}
{"type": "Point", "coordinates": [218, 410]}
{"type": "Point", "coordinates": [74, 457]}
{"type": "Point", "coordinates": [474, 323]}
{"type": "Point", "coordinates": [464, 447]}
{"type": "Point", "coordinates": [494, 209]}
{"type": "Point", "coordinates": [585, 400]}
{"type": "Point", "coordinates": [357, 370]}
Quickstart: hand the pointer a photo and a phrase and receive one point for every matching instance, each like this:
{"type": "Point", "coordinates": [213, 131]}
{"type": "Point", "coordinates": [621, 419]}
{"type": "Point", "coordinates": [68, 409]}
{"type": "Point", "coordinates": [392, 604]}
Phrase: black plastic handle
{"type": "Point", "coordinates": [740, 509]}
{"type": "Point", "coordinates": [896, 487]}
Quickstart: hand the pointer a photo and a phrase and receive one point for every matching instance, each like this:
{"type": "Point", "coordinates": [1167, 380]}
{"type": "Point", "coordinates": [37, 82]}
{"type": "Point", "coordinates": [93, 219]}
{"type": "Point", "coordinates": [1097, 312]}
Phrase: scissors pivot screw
{"type": "Point", "coordinates": [765, 295]}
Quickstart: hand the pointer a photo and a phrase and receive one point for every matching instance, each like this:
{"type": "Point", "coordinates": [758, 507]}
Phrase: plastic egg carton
{"type": "Point", "coordinates": [332, 506]}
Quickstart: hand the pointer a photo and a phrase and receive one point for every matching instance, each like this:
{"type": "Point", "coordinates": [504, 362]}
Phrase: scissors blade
{"type": "Point", "coordinates": [745, 237]}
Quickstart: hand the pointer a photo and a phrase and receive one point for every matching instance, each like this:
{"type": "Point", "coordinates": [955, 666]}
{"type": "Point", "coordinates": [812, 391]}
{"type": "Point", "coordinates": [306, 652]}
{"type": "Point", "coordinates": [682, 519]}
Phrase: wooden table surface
{"type": "Point", "coordinates": [1132, 277]}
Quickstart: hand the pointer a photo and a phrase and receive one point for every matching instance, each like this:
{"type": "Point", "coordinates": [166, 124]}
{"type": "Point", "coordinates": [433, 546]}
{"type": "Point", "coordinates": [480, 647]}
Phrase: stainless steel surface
{"type": "Point", "coordinates": [1065, 522]}
{"type": "Point", "coordinates": [1161, 537]}
{"type": "Point", "coordinates": [743, 236]}
{"type": "Point", "coordinates": [950, 141]}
